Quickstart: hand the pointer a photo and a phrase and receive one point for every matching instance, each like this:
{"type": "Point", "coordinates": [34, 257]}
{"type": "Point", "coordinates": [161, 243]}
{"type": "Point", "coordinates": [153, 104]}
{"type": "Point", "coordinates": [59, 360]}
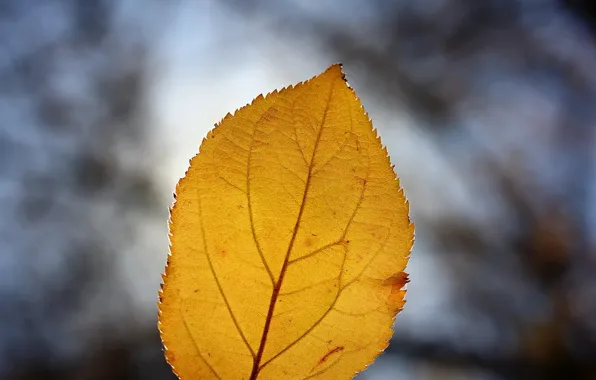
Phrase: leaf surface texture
{"type": "Point", "coordinates": [289, 237]}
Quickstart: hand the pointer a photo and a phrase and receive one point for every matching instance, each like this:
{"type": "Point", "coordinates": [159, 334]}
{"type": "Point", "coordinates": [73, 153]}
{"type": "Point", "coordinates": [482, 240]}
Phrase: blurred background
{"type": "Point", "coordinates": [488, 109]}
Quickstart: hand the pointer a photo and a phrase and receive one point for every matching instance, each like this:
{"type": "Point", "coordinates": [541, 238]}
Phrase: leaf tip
{"type": "Point", "coordinates": [336, 70]}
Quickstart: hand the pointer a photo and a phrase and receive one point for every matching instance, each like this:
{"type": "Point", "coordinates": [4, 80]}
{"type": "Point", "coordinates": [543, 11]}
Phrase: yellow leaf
{"type": "Point", "coordinates": [289, 237]}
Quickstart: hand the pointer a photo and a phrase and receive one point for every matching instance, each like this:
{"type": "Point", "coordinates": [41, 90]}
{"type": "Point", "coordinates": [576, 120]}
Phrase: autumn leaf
{"type": "Point", "coordinates": [289, 238]}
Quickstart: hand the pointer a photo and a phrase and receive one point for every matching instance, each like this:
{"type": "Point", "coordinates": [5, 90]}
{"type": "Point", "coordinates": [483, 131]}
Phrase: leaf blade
{"type": "Point", "coordinates": [269, 177]}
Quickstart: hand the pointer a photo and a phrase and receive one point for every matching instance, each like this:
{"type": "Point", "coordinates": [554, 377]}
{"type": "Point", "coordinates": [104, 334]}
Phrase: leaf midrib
{"type": "Point", "coordinates": [276, 289]}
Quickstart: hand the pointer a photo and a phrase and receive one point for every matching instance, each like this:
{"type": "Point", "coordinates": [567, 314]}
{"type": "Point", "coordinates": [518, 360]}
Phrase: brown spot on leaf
{"type": "Point", "coordinates": [328, 354]}
{"type": "Point", "coordinates": [395, 285]}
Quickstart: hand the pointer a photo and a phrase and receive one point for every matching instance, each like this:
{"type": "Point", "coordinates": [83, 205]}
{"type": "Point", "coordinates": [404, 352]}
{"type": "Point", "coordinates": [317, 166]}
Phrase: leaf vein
{"type": "Point", "coordinates": [310, 286]}
{"type": "Point", "coordinates": [231, 184]}
{"type": "Point", "coordinates": [345, 232]}
{"type": "Point", "coordinates": [196, 346]}
{"type": "Point", "coordinates": [248, 198]}
{"type": "Point", "coordinates": [211, 267]}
